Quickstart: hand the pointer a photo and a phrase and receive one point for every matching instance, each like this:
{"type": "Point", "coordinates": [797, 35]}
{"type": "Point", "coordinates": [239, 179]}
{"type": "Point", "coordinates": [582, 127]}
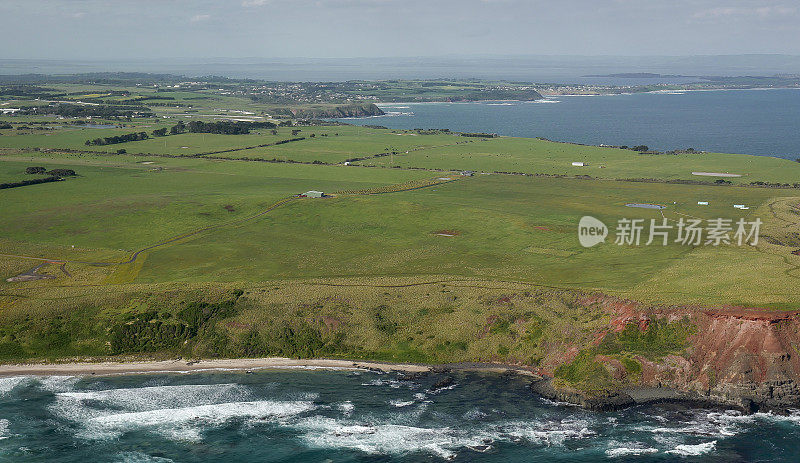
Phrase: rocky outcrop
{"type": "Point", "coordinates": [605, 400]}
{"type": "Point", "coordinates": [351, 110]}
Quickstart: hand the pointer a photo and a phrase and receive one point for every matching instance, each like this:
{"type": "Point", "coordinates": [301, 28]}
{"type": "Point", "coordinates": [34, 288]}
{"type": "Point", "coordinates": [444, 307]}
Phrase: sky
{"type": "Point", "coordinates": [147, 29]}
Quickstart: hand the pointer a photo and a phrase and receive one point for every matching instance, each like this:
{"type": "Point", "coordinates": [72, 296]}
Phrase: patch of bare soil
{"type": "Point", "coordinates": [31, 275]}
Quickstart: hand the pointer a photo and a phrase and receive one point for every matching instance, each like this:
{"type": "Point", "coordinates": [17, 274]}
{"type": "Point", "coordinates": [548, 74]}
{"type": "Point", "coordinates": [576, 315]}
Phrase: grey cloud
{"type": "Point", "coordinates": [349, 28]}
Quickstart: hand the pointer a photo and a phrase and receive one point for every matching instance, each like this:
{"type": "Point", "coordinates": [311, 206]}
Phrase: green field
{"type": "Point", "coordinates": [406, 259]}
{"type": "Point", "coordinates": [443, 151]}
{"type": "Point", "coordinates": [121, 202]}
{"type": "Point", "coordinates": [506, 154]}
{"type": "Point", "coordinates": [503, 233]}
{"type": "Point", "coordinates": [507, 227]}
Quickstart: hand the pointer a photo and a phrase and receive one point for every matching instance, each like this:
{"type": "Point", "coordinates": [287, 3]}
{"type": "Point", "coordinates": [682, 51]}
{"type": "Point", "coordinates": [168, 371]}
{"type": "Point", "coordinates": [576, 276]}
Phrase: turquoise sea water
{"type": "Point", "coordinates": [763, 122]}
{"type": "Point", "coordinates": [357, 416]}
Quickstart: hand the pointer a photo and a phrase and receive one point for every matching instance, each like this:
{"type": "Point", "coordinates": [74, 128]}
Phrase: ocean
{"type": "Point", "coordinates": [322, 415]}
{"type": "Point", "coordinates": [761, 122]}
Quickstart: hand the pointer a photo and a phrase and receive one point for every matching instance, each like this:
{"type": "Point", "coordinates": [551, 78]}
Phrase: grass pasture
{"type": "Point", "coordinates": [508, 228]}
{"type": "Point", "coordinates": [493, 257]}
{"type": "Point", "coordinates": [533, 156]}
{"type": "Point", "coordinates": [336, 144]}
{"type": "Point", "coordinates": [118, 203]}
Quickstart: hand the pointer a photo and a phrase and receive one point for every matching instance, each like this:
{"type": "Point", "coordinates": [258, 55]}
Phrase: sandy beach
{"type": "Point", "coordinates": [187, 366]}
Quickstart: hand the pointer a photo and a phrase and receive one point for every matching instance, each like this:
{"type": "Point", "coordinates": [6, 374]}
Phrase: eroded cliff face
{"type": "Point", "coordinates": [746, 357]}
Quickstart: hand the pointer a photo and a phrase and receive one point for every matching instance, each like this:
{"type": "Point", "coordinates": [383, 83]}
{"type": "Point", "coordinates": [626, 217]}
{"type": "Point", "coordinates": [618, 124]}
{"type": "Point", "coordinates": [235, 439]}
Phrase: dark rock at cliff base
{"type": "Point", "coordinates": [415, 376]}
{"type": "Point", "coordinates": [601, 401]}
{"type": "Point", "coordinates": [777, 396]}
{"type": "Point", "coordinates": [443, 383]}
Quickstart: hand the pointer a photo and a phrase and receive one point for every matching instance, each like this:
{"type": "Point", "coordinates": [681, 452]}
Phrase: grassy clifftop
{"type": "Point", "coordinates": [438, 320]}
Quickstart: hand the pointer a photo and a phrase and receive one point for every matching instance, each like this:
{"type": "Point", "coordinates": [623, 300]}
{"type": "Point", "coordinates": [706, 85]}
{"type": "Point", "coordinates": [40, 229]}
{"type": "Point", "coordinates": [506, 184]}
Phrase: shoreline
{"type": "Point", "coordinates": [190, 366]}
{"type": "Point", "coordinates": [540, 385]}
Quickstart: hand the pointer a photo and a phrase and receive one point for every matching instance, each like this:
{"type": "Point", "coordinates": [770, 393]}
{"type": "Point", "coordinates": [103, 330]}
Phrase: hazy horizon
{"type": "Point", "coordinates": [532, 68]}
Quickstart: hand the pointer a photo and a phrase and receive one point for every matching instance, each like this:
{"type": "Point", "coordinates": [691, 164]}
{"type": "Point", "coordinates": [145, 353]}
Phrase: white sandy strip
{"type": "Point", "coordinates": [715, 174]}
{"type": "Point", "coordinates": [105, 368]}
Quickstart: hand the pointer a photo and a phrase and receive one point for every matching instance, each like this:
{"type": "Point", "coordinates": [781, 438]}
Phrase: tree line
{"type": "Point", "coordinates": [227, 127]}
{"type": "Point", "coordinates": [51, 172]}
{"type": "Point", "coordinates": [33, 181]}
{"type": "Point", "coordinates": [136, 136]}
{"type": "Point", "coordinates": [217, 127]}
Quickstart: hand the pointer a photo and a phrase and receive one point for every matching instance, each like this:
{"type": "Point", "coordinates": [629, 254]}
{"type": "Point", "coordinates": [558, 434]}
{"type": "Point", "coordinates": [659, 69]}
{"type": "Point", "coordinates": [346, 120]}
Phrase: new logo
{"type": "Point", "coordinates": [591, 231]}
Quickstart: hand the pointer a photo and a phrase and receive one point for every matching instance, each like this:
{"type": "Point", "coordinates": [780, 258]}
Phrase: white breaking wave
{"type": "Point", "coordinates": [712, 424]}
{"type": "Point", "coordinates": [322, 432]}
{"type": "Point", "coordinates": [346, 407]}
{"type": "Point", "coordinates": [58, 383]}
{"type": "Point", "coordinates": [4, 424]}
{"type": "Point", "coordinates": [548, 432]}
{"type": "Point", "coordinates": [392, 383]}
{"type": "Point", "coordinates": [188, 423]}
{"type": "Point", "coordinates": [395, 438]}
{"type": "Point", "coordinates": [48, 383]}
{"type": "Point", "coordinates": [8, 384]}
{"type": "Point", "coordinates": [629, 449]}
{"type": "Point", "coordinates": [177, 412]}
{"type": "Point", "coordinates": [792, 418]}
{"type": "Point", "coordinates": [82, 406]}
{"type": "Point", "coordinates": [401, 403]}
{"type": "Point", "coordinates": [687, 450]}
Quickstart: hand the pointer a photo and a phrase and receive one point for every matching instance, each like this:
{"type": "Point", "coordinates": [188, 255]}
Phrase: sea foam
{"type": "Point", "coordinates": [629, 449]}
{"type": "Point", "coordinates": [188, 423]}
{"type": "Point", "coordinates": [4, 425]}
{"type": "Point", "coordinates": [687, 450]}
{"type": "Point", "coordinates": [397, 436]}
{"type": "Point", "coordinates": [177, 412]}
{"type": "Point", "coordinates": [8, 384]}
